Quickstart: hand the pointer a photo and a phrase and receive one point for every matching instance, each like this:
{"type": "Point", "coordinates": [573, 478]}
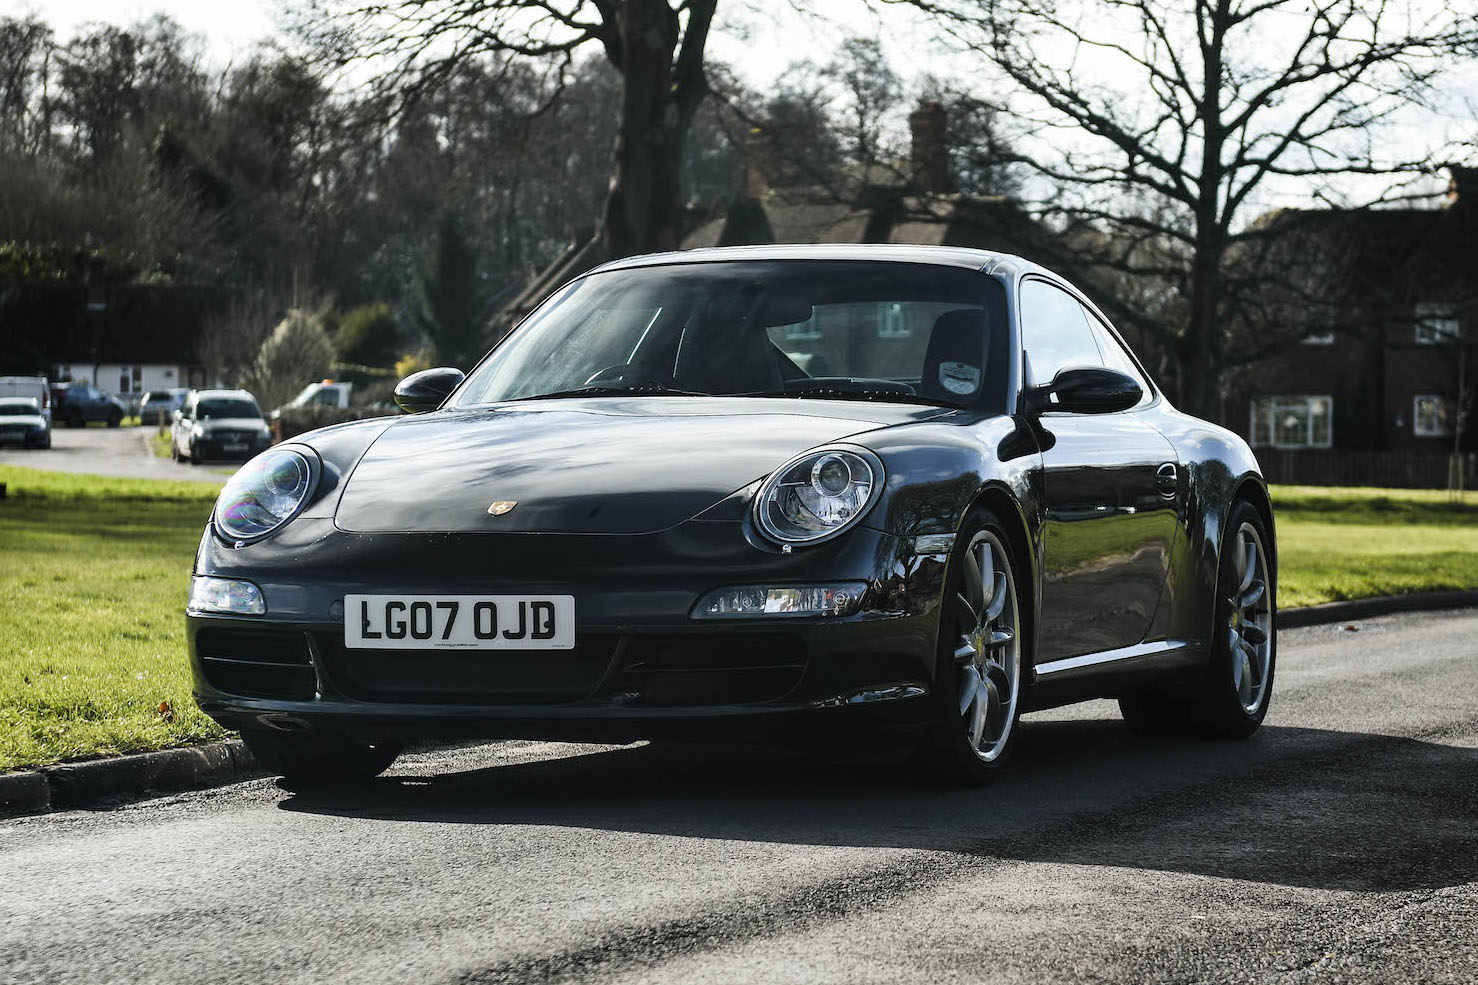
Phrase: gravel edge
{"type": "Point", "coordinates": [69, 786]}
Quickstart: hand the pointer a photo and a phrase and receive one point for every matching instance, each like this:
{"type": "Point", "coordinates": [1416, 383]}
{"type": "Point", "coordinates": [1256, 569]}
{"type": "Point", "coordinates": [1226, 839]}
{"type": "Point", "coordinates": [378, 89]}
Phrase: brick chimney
{"type": "Point", "coordinates": [759, 154]}
{"type": "Point", "coordinates": [929, 159]}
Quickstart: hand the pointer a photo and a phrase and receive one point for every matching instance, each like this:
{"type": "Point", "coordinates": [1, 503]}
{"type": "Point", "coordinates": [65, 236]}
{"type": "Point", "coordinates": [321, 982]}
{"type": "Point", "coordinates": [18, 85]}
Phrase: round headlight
{"type": "Point", "coordinates": [265, 493]}
{"type": "Point", "coordinates": [818, 495]}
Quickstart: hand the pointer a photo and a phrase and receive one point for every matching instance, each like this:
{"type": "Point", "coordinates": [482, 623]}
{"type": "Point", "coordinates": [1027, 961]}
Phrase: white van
{"type": "Point", "coordinates": [35, 387]}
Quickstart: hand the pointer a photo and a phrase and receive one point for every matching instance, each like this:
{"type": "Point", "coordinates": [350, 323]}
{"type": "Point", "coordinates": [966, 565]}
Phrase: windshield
{"type": "Point", "coordinates": [859, 330]}
{"type": "Point", "coordinates": [219, 407]}
{"type": "Point", "coordinates": [19, 408]}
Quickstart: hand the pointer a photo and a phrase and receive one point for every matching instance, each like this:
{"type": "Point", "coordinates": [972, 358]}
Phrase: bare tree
{"type": "Point", "coordinates": [231, 338]}
{"type": "Point", "coordinates": [656, 46]}
{"type": "Point", "coordinates": [1160, 126]}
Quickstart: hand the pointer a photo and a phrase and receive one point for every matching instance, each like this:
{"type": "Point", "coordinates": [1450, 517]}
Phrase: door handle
{"type": "Point", "coordinates": [1167, 480]}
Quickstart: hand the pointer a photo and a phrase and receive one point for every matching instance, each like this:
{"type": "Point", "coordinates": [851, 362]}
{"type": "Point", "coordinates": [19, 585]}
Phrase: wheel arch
{"type": "Point", "coordinates": [996, 497]}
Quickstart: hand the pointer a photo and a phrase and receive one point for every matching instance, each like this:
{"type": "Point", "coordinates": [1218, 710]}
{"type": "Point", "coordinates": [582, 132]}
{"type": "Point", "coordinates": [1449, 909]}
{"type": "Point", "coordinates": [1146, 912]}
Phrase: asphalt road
{"type": "Point", "coordinates": [100, 450]}
{"type": "Point", "coordinates": [1338, 845]}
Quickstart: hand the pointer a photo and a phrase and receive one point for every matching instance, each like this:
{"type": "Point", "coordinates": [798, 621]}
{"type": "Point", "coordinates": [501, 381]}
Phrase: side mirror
{"type": "Point", "coordinates": [423, 391]}
{"type": "Point", "coordinates": [177, 414]}
{"type": "Point", "coordinates": [1089, 390]}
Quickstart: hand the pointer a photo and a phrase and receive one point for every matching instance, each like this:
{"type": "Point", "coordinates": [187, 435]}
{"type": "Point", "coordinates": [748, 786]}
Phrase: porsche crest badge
{"type": "Point", "coordinates": [502, 506]}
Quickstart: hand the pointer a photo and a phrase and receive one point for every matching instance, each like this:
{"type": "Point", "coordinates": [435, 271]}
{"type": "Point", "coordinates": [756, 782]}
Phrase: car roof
{"type": "Point", "coordinates": [29, 401]}
{"type": "Point", "coordinates": [224, 393]}
{"type": "Point", "coordinates": [944, 256]}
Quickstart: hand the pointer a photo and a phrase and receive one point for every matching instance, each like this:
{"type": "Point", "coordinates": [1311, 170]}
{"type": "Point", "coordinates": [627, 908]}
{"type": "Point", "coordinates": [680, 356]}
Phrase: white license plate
{"type": "Point", "coordinates": [233, 446]}
{"type": "Point", "coordinates": [459, 622]}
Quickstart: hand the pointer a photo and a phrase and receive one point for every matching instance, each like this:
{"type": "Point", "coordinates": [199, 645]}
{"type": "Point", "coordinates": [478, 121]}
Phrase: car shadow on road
{"type": "Point", "coordinates": [1301, 807]}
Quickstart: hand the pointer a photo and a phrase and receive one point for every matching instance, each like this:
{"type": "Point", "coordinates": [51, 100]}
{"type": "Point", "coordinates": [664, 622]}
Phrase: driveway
{"type": "Point", "coordinates": [123, 452]}
{"type": "Point", "coordinates": [1340, 844]}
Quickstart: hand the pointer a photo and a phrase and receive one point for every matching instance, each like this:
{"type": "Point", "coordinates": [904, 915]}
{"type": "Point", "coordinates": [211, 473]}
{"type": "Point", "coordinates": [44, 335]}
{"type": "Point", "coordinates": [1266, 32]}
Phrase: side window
{"type": "Point", "coordinates": [1115, 356]}
{"type": "Point", "coordinates": [1054, 332]}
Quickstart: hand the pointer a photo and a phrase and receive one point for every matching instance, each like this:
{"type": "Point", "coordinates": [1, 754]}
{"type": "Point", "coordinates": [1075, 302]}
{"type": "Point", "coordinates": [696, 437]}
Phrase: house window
{"type": "Point", "coordinates": [1429, 416]}
{"type": "Point", "coordinates": [1436, 324]}
{"type": "Point", "coordinates": [892, 322]}
{"type": "Point", "coordinates": [1292, 422]}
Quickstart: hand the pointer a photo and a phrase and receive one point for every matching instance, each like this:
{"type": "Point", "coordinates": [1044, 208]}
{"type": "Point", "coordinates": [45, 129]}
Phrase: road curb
{"type": "Point", "coordinates": [68, 786]}
{"type": "Point", "coordinates": [1329, 612]}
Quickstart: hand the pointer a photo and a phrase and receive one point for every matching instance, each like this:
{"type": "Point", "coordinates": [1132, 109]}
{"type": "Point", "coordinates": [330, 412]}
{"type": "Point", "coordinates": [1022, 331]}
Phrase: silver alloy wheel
{"type": "Point", "coordinates": [1250, 622]}
{"type": "Point", "coordinates": [988, 654]}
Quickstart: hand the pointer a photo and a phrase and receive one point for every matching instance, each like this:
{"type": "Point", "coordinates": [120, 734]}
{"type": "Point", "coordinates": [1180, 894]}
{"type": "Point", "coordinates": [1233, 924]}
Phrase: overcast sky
{"type": "Point", "coordinates": [758, 38]}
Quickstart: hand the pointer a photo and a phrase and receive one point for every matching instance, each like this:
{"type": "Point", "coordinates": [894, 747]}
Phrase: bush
{"type": "Point", "coordinates": [368, 336]}
{"type": "Point", "coordinates": [295, 354]}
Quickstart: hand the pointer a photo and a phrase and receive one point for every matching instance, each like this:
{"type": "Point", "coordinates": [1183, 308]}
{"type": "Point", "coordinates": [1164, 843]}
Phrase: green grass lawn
{"type": "Point", "coordinates": [1336, 544]}
{"type": "Point", "coordinates": [95, 572]}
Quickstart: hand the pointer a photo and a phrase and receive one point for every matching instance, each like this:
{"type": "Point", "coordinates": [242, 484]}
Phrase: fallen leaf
{"type": "Point", "coordinates": [165, 711]}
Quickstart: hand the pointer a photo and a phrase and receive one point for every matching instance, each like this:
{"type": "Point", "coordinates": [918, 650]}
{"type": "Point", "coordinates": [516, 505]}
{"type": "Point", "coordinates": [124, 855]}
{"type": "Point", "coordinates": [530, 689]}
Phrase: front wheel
{"type": "Point", "coordinates": [977, 689]}
{"type": "Point", "coordinates": [1229, 698]}
{"type": "Point", "coordinates": [319, 759]}
{"type": "Point", "coordinates": [115, 418]}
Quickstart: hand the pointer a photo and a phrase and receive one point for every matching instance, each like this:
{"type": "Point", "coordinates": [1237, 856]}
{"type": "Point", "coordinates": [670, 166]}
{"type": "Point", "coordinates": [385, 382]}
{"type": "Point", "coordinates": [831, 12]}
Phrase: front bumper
{"type": "Point", "coordinates": [27, 436]}
{"type": "Point", "coordinates": [211, 446]}
{"type": "Point", "coordinates": [641, 666]}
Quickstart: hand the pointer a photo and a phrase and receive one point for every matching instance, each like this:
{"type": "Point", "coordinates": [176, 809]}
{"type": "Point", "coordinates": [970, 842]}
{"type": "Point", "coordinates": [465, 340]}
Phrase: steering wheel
{"type": "Point", "coordinates": [631, 375]}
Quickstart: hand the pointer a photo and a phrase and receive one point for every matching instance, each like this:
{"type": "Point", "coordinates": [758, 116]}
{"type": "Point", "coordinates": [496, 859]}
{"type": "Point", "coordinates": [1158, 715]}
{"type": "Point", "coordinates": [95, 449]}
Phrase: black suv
{"type": "Point", "coordinates": [79, 403]}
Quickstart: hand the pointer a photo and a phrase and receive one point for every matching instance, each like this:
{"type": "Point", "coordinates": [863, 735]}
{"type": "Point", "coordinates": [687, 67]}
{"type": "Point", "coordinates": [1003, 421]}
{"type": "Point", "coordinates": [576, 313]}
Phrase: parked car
{"type": "Point", "coordinates": [81, 403]}
{"type": "Point", "coordinates": [324, 394]}
{"type": "Point", "coordinates": [165, 402]}
{"type": "Point", "coordinates": [218, 424]}
{"type": "Point", "coordinates": [638, 516]}
{"type": "Point", "coordinates": [21, 422]}
{"type": "Point", "coordinates": [34, 387]}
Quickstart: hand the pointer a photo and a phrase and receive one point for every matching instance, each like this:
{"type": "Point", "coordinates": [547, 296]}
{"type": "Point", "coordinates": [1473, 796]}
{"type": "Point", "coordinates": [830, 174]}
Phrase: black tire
{"type": "Point", "coordinates": [115, 418]}
{"type": "Point", "coordinates": [319, 759]}
{"type": "Point", "coordinates": [946, 754]}
{"type": "Point", "coordinates": [76, 420]}
{"type": "Point", "coordinates": [1209, 705]}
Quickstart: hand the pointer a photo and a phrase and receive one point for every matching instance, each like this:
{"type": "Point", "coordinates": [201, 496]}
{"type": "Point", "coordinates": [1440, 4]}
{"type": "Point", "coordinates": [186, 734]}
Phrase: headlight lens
{"type": "Point", "coordinates": [818, 495]}
{"type": "Point", "coordinates": [267, 492]}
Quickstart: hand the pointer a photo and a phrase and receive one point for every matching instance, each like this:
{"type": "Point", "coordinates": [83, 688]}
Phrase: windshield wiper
{"type": "Point", "coordinates": [839, 393]}
{"type": "Point", "coordinates": [646, 390]}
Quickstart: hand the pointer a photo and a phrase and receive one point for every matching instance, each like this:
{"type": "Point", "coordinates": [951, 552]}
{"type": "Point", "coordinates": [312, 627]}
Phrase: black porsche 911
{"type": "Point", "coordinates": [903, 492]}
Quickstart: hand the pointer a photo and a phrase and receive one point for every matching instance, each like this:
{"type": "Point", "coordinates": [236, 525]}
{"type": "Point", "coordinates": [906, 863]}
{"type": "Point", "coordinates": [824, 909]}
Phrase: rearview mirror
{"type": "Point", "coordinates": [1087, 390]}
{"type": "Point", "coordinates": [424, 391]}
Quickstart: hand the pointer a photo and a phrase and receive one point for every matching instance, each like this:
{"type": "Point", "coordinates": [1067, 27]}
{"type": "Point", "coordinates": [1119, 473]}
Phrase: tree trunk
{"type": "Point", "coordinates": [660, 91]}
{"type": "Point", "coordinates": [1200, 348]}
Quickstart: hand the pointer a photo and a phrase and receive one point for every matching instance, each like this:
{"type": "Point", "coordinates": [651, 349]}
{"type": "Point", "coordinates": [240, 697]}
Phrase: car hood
{"type": "Point", "coordinates": [609, 466]}
{"type": "Point", "coordinates": [234, 424]}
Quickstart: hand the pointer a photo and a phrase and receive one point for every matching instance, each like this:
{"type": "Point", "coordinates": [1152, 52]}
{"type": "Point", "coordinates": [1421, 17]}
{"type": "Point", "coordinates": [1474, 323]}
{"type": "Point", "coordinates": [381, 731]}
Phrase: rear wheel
{"type": "Point", "coordinates": [977, 693]}
{"type": "Point", "coordinates": [319, 759]}
{"type": "Point", "coordinates": [115, 418]}
{"type": "Point", "coordinates": [1229, 698]}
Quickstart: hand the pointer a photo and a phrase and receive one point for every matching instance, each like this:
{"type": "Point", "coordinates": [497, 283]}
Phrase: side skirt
{"type": "Point", "coordinates": [1108, 673]}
